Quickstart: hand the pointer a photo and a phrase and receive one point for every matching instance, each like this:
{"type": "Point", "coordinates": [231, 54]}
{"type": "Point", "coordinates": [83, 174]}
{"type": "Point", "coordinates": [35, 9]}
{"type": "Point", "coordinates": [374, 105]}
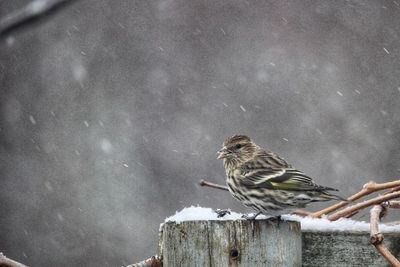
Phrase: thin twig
{"type": "Point", "coordinates": [363, 205]}
{"type": "Point", "coordinates": [368, 188]}
{"type": "Point", "coordinates": [352, 214]}
{"type": "Point", "coordinates": [6, 262]}
{"type": "Point", "coordinates": [389, 257]}
{"type": "Point", "coordinates": [376, 238]}
{"type": "Point", "coordinates": [213, 185]}
{"type": "Point", "coordinates": [394, 204]}
{"type": "Point", "coordinates": [394, 189]}
{"type": "Point", "coordinates": [154, 261]}
{"type": "Point", "coordinates": [30, 12]}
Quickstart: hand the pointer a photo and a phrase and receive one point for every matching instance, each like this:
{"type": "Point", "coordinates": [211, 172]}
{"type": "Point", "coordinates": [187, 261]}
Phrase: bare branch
{"type": "Point", "coordinates": [363, 205]}
{"type": "Point", "coordinates": [376, 238]}
{"type": "Point", "coordinates": [368, 188]}
{"type": "Point", "coordinates": [152, 262]}
{"type": "Point", "coordinates": [32, 11]}
{"type": "Point", "coordinates": [352, 214]}
{"type": "Point", "coordinates": [394, 189]}
{"type": "Point", "coordinates": [394, 204]}
{"type": "Point", "coordinates": [388, 256]}
{"type": "Point", "coordinates": [213, 185]}
{"type": "Point", "coordinates": [6, 262]}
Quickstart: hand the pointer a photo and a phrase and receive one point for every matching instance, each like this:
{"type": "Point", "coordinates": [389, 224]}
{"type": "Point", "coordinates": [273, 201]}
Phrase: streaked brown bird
{"type": "Point", "coordinates": [262, 180]}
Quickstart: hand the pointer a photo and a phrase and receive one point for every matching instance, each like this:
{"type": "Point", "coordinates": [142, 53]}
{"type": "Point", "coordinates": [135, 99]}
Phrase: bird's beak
{"type": "Point", "coordinates": [223, 153]}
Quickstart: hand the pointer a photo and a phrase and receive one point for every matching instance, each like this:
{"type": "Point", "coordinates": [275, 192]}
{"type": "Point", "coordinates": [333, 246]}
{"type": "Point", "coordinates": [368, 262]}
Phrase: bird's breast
{"type": "Point", "coordinates": [233, 183]}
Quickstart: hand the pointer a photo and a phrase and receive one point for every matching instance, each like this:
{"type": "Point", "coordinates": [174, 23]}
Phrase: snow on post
{"type": "Point", "coordinates": [197, 237]}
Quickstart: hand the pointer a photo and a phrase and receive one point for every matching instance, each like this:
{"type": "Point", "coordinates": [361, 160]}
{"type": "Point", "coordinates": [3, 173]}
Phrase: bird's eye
{"type": "Point", "coordinates": [238, 146]}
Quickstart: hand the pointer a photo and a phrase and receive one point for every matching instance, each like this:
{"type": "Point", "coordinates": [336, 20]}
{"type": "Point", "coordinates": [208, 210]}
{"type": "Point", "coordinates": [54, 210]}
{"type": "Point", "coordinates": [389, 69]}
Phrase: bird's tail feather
{"type": "Point", "coordinates": [329, 196]}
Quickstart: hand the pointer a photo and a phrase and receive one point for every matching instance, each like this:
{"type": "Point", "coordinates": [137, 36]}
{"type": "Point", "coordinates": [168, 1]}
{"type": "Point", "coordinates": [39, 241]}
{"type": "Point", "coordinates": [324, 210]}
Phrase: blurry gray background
{"type": "Point", "coordinates": [112, 111]}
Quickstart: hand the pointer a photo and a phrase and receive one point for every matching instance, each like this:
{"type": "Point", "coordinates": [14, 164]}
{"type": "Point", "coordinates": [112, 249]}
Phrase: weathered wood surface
{"type": "Point", "coordinates": [231, 243]}
{"type": "Point", "coordinates": [269, 243]}
{"type": "Point", "coordinates": [337, 249]}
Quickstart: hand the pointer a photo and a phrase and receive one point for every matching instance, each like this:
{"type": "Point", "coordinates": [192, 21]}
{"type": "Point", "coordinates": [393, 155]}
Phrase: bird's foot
{"type": "Point", "coordinates": [222, 212]}
{"type": "Point", "coordinates": [251, 217]}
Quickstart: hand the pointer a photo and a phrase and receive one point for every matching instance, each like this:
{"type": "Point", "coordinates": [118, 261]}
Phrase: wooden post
{"type": "Point", "coordinates": [348, 248]}
{"type": "Point", "coordinates": [231, 243]}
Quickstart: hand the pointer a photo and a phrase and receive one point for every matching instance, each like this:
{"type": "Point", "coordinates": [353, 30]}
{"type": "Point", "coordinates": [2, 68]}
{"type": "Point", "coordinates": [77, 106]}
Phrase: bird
{"type": "Point", "coordinates": [265, 182]}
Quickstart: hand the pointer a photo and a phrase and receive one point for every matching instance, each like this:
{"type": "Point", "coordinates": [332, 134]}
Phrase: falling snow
{"type": "Point", "coordinates": [79, 73]}
{"type": "Point", "coordinates": [108, 108]}
{"type": "Point", "coordinates": [48, 186]}
{"type": "Point", "coordinates": [37, 5]}
{"type": "Point", "coordinates": [387, 52]}
{"type": "Point", "coordinates": [10, 41]}
{"type": "Point", "coordinates": [60, 217]}
{"type": "Point", "coordinates": [106, 145]}
{"type": "Point", "coordinates": [32, 119]}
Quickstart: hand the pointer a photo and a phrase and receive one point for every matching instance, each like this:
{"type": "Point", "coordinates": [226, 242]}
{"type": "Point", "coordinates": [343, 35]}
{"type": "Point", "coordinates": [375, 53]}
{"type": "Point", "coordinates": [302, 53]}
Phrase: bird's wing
{"type": "Point", "coordinates": [270, 159]}
{"type": "Point", "coordinates": [256, 176]}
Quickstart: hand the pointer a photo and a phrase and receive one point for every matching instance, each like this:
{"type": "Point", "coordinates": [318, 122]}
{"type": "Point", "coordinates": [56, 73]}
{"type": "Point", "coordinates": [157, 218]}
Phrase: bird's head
{"type": "Point", "coordinates": [237, 149]}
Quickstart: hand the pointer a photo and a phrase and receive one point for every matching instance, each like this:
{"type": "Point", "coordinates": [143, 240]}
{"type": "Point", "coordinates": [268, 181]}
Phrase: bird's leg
{"type": "Point", "coordinates": [251, 218]}
{"type": "Point", "coordinates": [222, 212]}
